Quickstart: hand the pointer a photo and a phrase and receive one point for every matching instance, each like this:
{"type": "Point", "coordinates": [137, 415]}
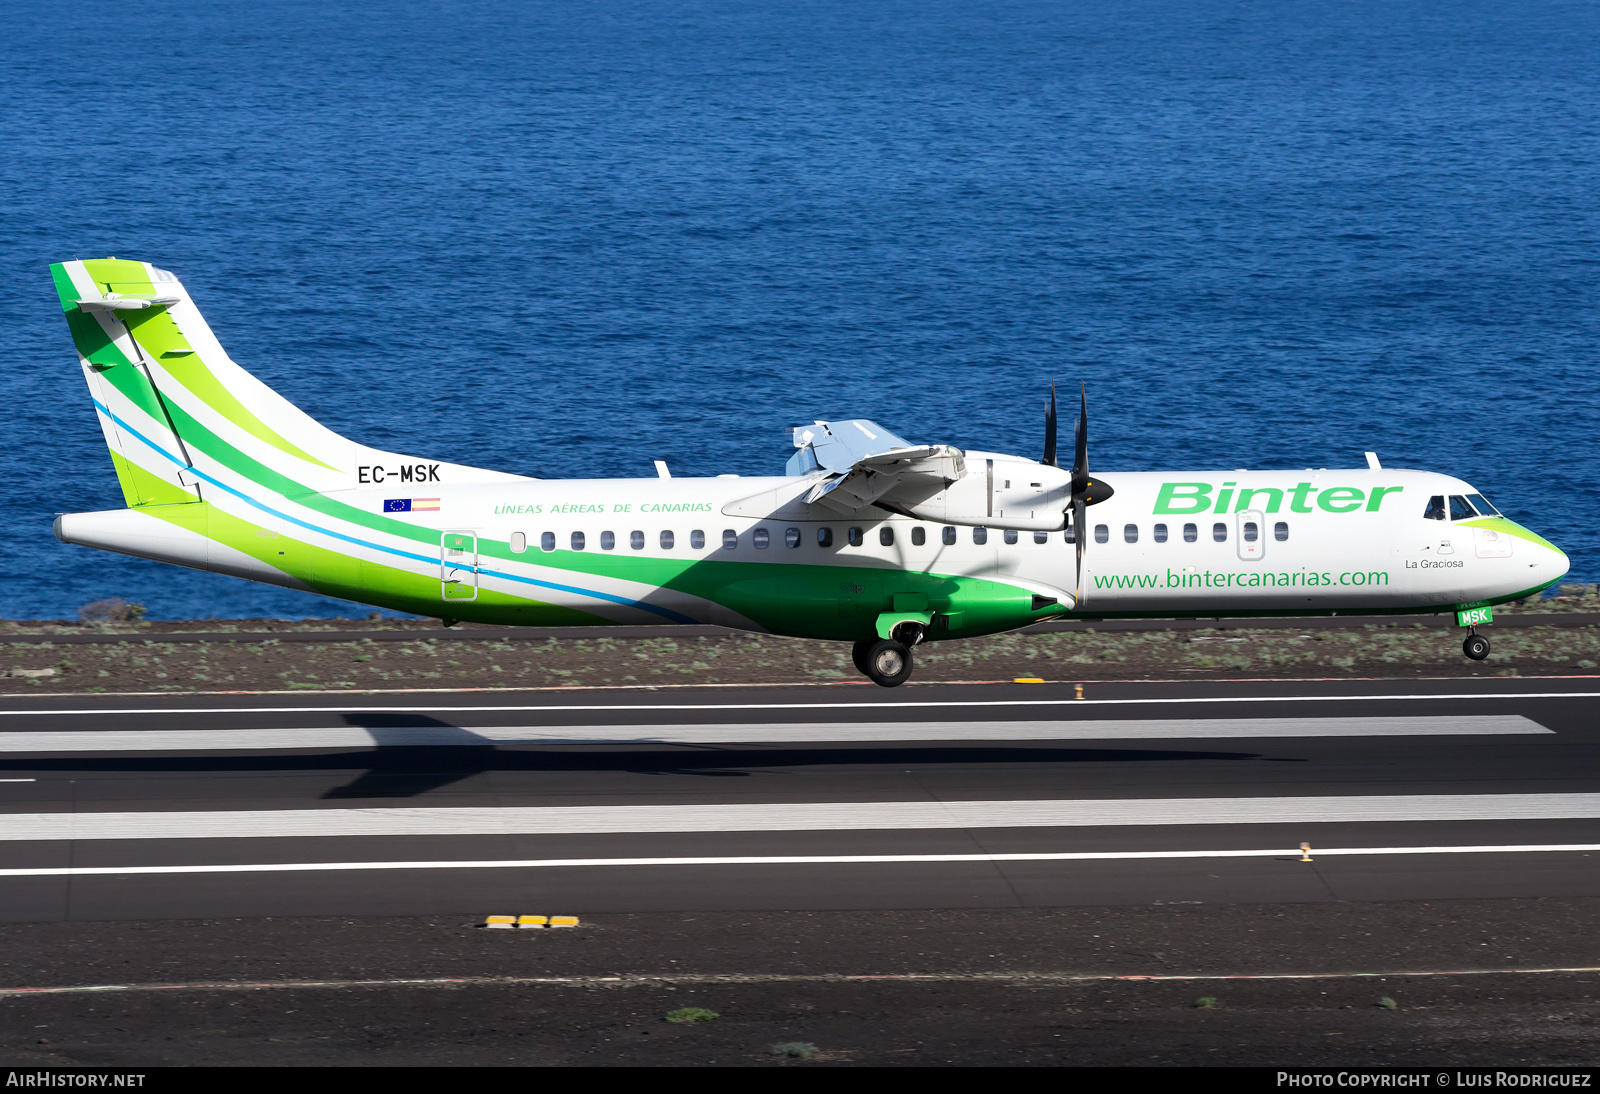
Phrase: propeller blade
{"type": "Point", "coordinates": [1093, 491]}
{"type": "Point", "coordinates": [1080, 529]}
{"type": "Point", "coordinates": [1080, 459]}
{"type": "Point", "coordinates": [1050, 429]}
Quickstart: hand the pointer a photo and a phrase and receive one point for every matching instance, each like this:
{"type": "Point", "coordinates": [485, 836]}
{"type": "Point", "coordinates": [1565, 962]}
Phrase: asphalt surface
{"type": "Point", "coordinates": [927, 797]}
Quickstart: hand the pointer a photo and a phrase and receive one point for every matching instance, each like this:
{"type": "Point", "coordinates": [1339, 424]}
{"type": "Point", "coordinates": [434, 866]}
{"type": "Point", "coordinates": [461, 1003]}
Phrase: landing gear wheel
{"type": "Point", "coordinates": [1476, 647]}
{"type": "Point", "coordinates": [888, 664]}
{"type": "Point", "coordinates": [858, 655]}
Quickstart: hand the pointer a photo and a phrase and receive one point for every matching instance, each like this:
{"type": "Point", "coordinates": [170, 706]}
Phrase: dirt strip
{"type": "Point", "coordinates": [404, 661]}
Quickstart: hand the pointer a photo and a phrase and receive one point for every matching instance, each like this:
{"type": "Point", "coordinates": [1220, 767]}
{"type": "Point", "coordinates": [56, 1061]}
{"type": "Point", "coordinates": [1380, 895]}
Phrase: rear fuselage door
{"type": "Point", "coordinates": [458, 566]}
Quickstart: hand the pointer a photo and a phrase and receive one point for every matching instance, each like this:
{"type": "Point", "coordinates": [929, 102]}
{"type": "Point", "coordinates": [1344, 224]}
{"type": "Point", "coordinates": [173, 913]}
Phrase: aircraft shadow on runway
{"type": "Point", "coordinates": [399, 766]}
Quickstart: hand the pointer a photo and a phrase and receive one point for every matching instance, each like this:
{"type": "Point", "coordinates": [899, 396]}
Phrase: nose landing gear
{"type": "Point", "coordinates": [1476, 646]}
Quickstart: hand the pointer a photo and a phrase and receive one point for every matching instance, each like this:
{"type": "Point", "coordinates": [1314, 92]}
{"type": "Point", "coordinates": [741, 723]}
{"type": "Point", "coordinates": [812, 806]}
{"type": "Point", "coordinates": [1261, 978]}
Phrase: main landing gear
{"type": "Point", "coordinates": [887, 661]}
{"type": "Point", "coordinates": [1476, 646]}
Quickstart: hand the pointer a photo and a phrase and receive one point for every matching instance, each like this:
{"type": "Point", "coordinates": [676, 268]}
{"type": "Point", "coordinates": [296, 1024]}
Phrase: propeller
{"type": "Point", "coordinates": [1049, 459]}
{"type": "Point", "coordinates": [1086, 491]}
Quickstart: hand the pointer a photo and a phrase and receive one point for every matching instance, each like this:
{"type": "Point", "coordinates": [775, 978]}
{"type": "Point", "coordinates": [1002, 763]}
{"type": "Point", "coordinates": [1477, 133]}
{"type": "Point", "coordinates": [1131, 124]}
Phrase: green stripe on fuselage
{"type": "Point", "coordinates": [1511, 528]}
{"type": "Point", "coordinates": [333, 573]}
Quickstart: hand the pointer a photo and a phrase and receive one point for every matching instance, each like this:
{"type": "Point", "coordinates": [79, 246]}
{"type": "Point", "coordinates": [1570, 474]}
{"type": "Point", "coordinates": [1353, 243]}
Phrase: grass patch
{"type": "Point", "coordinates": [688, 1016]}
{"type": "Point", "coordinates": [799, 1050]}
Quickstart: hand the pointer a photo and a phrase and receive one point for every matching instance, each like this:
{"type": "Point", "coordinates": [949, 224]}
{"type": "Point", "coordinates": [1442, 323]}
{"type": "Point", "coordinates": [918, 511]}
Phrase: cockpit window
{"type": "Point", "coordinates": [1435, 509]}
{"type": "Point", "coordinates": [1481, 505]}
{"type": "Point", "coordinates": [1459, 509]}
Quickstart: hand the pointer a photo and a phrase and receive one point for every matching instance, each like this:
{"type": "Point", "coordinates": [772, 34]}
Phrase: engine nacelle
{"type": "Point", "coordinates": [998, 491]}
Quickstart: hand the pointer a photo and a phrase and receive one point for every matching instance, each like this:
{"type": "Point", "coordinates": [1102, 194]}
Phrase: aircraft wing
{"type": "Point", "coordinates": [857, 462]}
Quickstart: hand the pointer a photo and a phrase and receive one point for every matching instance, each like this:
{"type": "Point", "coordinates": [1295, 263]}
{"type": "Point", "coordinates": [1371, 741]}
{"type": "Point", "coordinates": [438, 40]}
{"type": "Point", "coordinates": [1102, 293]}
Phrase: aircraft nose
{"type": "Point", "coordinates": [1559, 563]}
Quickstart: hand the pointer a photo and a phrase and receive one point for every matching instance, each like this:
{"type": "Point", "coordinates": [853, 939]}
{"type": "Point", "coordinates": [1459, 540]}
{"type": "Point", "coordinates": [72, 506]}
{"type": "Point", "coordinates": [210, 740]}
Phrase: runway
{"type": "Point", "coordinates": [796, 798]}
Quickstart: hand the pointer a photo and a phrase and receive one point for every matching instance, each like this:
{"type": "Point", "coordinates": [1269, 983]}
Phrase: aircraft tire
{"type": "Point", "coordinates": [858, 655]}
{"type": "Point", "coordinates": [1476, 647]}
{"type": "Point", "coordinates": [888, 663]}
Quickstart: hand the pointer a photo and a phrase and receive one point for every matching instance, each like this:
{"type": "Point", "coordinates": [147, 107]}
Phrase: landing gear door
{"type": "Point", "coordinates": [1251, 534]}
{"type": "Point", "coordinates": [458, 566]}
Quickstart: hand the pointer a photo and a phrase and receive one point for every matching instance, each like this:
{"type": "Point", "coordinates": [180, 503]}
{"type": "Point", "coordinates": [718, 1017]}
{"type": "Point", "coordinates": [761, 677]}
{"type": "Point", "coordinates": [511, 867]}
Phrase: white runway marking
{"type": "Point", "coordinates": [200, 740]}
{"type": "Point", "coordinates": [793, 817]}
{"type": "Point", "coordinates": [347, 708]}
{"type": "Point", "coordinates": [785, 860]}
{"type": "Point", "coordinates": [714, 978]}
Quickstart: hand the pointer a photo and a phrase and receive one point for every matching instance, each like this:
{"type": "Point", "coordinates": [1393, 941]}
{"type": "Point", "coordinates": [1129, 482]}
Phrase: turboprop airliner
{"type": "Point", "coordinates": [866, 538]}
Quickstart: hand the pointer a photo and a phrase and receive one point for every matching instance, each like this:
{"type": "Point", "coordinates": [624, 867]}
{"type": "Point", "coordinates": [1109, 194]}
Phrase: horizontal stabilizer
{"type": "Point", "coordinates": [115, 303]}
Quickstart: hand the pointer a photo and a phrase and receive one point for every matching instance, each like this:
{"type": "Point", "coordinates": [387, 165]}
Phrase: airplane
{"type": "Point", "coordinates": [866, 538]}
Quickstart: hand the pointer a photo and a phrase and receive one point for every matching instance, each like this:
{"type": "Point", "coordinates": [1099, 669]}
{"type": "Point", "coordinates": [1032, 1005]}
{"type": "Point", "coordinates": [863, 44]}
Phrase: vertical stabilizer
{"type": "Point", "coordinates": [171, 400]}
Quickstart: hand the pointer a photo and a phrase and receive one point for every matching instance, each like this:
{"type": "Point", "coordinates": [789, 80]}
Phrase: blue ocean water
{"type": "Point", "coordinates": [567, 238]}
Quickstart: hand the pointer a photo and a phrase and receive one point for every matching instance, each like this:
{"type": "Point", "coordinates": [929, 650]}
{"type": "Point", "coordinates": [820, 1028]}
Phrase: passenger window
{"type": "Point", "coordinates": [1010, 535]}
{"type": "Point", "coordinates": [577, 541]}
{"type": "Point", "coordinates": [886, 536]}
{"type": "Point", "coordinates": [1280, 532]}
{"type": "Point", "coordinates": [759, 539]}
{"type": "Point", "coordinates": [1482, 505]}
{"type": "Point", "coordinates": [824, 537]}
{"type": "Point", "coordinates": [1219, 532]}
{"type": "Point", "coordinates": [1159, 533]}
{"type": "Point", "coordinates": [1459, 509]}
{"type": "Point", "coordinates": [919, 536]}
{"type": "Point", "coordinates": [1041, 537]}
{"type": "Point", "coordinates": [980, 536]}
{"type": "Point", "coordinates": [1102, 534]}
{"type": "Point", "coordinates": [697, 539]}
{"type": "Point", "coordinates": [1435, 509]}
{"type": "Point", "coordinates": [948, 536]}
{"type": "Point", "coordinates": [853, 537]}
{"type": "Point", "coordinates": [1252, 531]}
{"type": "Point", "coordinates": [1130, 533]}
{"type": "Point", "coordinates": [1190, 533]}
{"type": "Point", "coordinates": [519, 542]}
{"type": "Point", "coordinates": [608, 541]}
{"type": "Point", "coordinates": [1070, 535]}
{"type": "Point", "coordinates": [730, 539]}
{"type": "Point", "coordinates": [547, 541]}
{"type": "Point", "coordinates": [636, 540]}
{"type": "Point", "coordinates": [791, 537]}
{"type": "Point", "coordinates": [667, 540]}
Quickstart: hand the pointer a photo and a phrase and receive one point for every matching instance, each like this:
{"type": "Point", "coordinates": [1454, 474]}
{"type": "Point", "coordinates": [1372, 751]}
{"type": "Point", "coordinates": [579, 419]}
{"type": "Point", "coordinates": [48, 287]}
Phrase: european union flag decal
{"type": "Point", "coordinates": [397, 505]}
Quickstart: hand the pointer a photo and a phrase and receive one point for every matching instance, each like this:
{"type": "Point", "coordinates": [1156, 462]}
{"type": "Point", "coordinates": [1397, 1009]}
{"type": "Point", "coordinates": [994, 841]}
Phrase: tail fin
{"type": "Point", "coordinates": [177, 411]}
{"type": "Point", "coordinates": [169, 396]}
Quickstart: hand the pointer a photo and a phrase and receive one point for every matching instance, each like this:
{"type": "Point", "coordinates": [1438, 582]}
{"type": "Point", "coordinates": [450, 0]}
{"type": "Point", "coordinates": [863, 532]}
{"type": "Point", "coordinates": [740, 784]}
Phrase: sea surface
{"type": "Point", "coordinates": [569, 238]}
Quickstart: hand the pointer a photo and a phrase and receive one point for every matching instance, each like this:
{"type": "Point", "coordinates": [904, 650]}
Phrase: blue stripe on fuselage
{"type": "Point", "coordinates": [665, 613]}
